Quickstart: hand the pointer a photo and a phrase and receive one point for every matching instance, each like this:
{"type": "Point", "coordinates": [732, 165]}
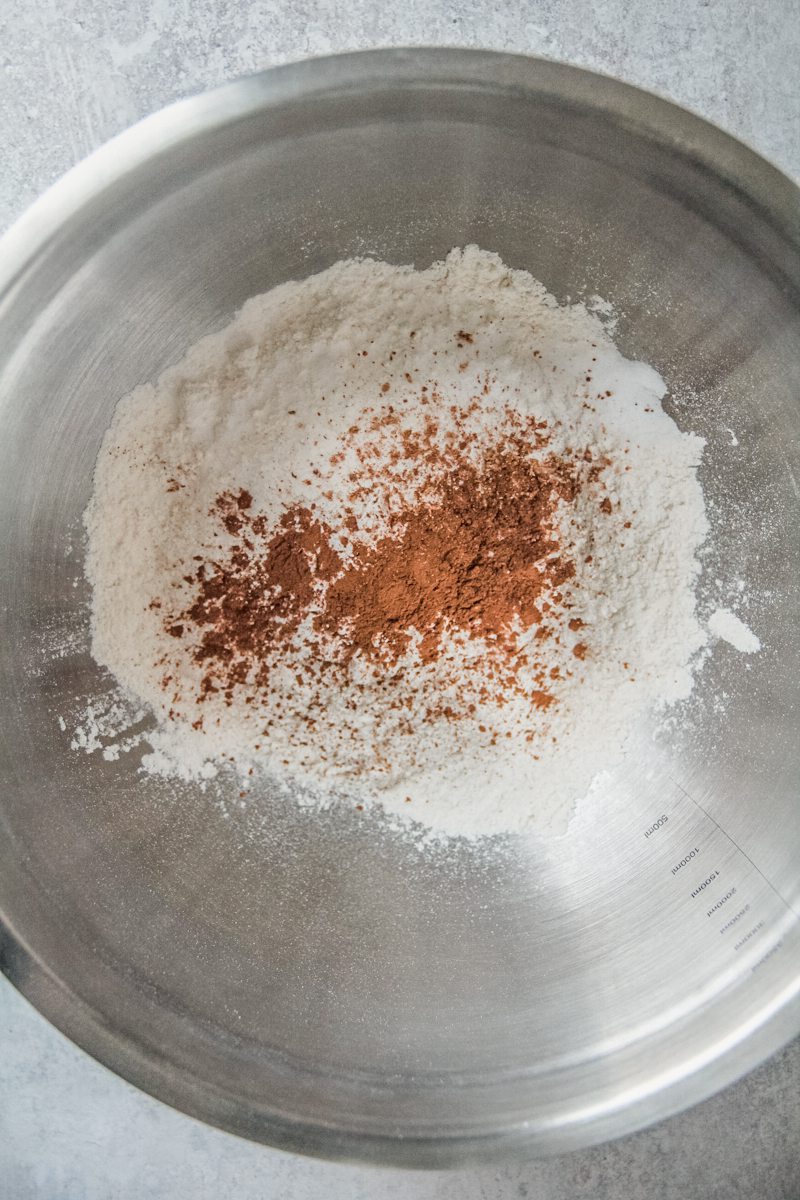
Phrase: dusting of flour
{"type": "Point", "coordinates": [726, 625]}
{"type": "Point", "coordinates": [266, 409]}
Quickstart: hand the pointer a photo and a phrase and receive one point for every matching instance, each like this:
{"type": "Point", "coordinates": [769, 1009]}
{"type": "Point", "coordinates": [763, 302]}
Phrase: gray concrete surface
{"type": "Point", "coordinates": [72, 74]}
{"type": "Point", "coordinates": [70, 1130]}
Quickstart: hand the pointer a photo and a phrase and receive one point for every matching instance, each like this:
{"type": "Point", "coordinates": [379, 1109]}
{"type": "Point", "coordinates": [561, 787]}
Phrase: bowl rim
{"type": "Point", "coordinates": [773, 195]}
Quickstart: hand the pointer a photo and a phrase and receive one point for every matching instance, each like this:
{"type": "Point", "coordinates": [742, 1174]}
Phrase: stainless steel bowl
{"type": "Point", "coordinates": [310, 980]}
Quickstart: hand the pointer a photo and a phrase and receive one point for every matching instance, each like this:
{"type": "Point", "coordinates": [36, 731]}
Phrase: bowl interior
{"type": "Point", "coordinates": [314, 980]}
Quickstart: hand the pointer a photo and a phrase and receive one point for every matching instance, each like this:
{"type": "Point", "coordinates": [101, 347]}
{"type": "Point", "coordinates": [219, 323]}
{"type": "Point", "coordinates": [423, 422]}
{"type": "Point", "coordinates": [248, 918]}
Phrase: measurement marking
{"type": "Point", "coordinates": [733, 842]}
{"type": "Point", "coordinates": [741, 913]}
{"type": "Point", "coordinates": [722, 900]}
{"type": "Point", "coordinates": [747, 936]}
{"type": "Point", "coordinates": [701, 887]}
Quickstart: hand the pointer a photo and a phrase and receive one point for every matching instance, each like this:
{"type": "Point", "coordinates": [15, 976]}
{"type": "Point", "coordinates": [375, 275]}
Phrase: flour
{"type": "Point", "coordinates": [268, 407]}
{"type": "Point", "coordinates": [726, 625]}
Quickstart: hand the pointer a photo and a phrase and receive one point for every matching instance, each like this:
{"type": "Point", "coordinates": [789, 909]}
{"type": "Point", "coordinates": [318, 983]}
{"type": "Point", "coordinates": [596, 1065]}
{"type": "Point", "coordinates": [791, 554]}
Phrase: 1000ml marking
{"type": "Point", "coordinates": [685, 861]}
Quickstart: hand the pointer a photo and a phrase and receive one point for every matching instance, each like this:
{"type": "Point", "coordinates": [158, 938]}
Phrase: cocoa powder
{"type": "Point", "coordinates": [477, 560]}
{"type": "Point", "coordinates": [251, 604]}
{"type": "Point", "coordinates": [472, 553]}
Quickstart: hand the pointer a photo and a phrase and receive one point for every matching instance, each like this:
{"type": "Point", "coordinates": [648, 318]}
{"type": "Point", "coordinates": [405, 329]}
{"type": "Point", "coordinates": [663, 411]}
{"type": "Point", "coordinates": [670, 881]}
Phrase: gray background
{"type": "Point", "coordinates": [72, 74]}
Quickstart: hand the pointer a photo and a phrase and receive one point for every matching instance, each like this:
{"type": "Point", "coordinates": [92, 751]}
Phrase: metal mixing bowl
{"type": "Point", "coordinates": [312, 980]}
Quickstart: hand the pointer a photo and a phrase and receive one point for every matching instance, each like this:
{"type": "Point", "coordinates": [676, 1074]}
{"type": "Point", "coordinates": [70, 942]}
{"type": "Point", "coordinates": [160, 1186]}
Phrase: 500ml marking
{"type": "Point", "coordinates": [662, 820]}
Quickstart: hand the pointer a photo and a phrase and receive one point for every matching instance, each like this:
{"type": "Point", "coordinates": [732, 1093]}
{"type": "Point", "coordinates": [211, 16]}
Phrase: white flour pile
{"type": "Point", "coordinates": [275, 522]}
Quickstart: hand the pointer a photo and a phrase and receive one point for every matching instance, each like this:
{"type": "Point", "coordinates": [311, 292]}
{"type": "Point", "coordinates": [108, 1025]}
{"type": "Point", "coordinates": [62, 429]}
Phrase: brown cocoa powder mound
{"type": "Point", "coordinates": [255, 600]}
{"type": "Point", "coordinates": [477, 560]}
{"type": "Point", "coordinates": [479, 557]}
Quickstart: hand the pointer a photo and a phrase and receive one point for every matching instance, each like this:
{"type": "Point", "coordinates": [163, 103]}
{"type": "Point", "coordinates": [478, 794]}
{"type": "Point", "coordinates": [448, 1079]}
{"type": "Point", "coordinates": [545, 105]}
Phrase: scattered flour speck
{"type": "Point", "coordinates": [726, 625]}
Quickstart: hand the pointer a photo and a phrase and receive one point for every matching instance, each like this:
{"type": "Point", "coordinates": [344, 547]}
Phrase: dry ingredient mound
{"type": "Point", "coordinates": [420, 539]}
